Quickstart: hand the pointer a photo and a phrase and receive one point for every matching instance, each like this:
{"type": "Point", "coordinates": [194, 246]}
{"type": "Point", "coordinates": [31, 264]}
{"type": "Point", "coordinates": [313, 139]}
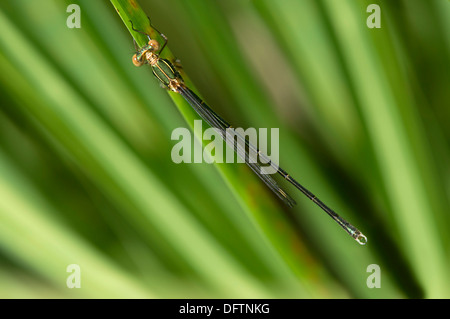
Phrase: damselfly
{"type": "Point", "coordinates": [170, 78]}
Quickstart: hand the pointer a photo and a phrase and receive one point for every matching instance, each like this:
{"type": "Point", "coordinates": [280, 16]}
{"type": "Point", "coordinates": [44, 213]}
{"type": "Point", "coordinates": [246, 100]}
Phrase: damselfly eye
{"type": "Point", "coordinates": [137, 62]}
{"type": "Point", "coordinates": [154, 44]}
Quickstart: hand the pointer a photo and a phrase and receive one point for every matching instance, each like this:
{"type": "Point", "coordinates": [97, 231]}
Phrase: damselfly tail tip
{"type": "Point", "coordinates": [361, 239]}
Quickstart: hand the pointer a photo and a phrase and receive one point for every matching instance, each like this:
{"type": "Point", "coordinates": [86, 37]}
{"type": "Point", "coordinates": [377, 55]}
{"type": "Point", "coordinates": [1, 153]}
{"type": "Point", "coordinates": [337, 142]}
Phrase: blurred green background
{"type": "Point", "coordinates": [86, 175]}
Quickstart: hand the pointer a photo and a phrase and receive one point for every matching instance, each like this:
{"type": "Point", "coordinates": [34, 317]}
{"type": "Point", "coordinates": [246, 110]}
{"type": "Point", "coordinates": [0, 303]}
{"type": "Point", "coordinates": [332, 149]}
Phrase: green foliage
{"type": "Point", "coordinates": [85, 144]}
